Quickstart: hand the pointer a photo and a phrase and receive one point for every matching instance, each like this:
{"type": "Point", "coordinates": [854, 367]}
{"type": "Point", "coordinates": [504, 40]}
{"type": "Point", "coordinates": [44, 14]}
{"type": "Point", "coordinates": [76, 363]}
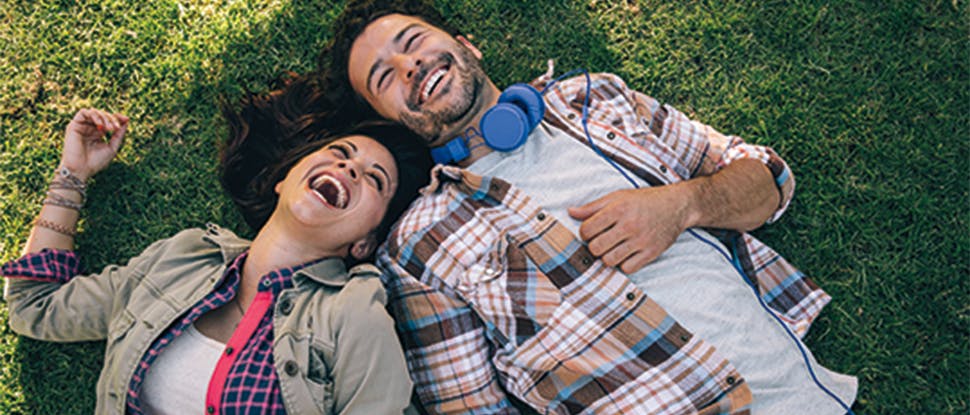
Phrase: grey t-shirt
{"type": "Point", "coordinates": [695, 283]}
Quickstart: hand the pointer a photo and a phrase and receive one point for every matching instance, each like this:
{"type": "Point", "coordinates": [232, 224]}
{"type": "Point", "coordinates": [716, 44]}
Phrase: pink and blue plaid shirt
{"type": "Point", "coordinates": [245, 381]}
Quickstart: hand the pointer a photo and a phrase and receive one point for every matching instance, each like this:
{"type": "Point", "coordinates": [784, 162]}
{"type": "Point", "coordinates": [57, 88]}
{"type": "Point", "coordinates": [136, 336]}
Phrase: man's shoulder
{"type": "Point", "coordinates": [578, 82]}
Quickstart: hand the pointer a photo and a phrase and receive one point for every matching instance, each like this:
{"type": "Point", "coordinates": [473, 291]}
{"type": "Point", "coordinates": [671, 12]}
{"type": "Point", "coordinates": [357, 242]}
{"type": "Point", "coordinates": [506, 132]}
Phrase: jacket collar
{"type": "Point", "coordinates": [328, 271]}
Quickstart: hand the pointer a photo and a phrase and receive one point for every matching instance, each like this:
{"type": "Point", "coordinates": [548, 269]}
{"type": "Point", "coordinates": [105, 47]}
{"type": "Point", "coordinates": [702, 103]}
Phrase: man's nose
{"type": "Point", "coordinates": [406, 65]}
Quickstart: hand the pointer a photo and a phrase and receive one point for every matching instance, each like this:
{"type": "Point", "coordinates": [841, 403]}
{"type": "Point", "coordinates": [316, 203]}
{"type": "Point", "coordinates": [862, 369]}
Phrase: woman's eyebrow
{"type": "Point", "coordinates": [351, 144]}
{"type": "Point", "coordinates": [386, 176]}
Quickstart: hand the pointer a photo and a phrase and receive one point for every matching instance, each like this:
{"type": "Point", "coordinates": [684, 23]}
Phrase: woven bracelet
{"type": "Point", "coordinates": [55, 227]}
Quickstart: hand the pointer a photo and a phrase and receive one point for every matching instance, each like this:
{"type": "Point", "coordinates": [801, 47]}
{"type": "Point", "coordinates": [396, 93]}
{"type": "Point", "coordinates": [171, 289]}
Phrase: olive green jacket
{"type": "Point", "coordinates": [334, 347]}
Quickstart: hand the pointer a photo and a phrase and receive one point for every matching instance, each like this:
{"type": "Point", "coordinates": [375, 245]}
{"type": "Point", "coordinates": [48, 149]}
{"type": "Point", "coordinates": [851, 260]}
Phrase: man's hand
{"type": "Point", "coordinates": [631, 228]}
{"type": "Point", "coordinates": [85, 150]}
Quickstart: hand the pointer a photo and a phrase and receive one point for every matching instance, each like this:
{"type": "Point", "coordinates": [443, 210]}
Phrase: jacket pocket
{"type": "Point", "coordinates": [117, 351]}
{"type": "Point", "coordinates": [319, 380]}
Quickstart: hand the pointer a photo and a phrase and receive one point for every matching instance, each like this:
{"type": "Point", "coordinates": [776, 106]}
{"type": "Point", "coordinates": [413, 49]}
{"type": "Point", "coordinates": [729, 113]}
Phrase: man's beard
{"type": "Point", "coordinates": [468, 77]}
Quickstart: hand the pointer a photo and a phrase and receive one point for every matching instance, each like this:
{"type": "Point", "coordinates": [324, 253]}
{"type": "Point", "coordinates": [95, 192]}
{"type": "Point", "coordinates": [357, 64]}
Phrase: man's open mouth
{"type": "Point", "coordinates": [331, 190]}
{"type": "Point", "coordinates": [431, 83]}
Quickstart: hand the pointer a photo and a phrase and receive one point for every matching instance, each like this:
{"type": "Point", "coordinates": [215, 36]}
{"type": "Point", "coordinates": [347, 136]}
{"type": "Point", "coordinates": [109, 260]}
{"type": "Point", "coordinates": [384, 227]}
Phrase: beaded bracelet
{"type": "Point", "coordinates": [61, 229]}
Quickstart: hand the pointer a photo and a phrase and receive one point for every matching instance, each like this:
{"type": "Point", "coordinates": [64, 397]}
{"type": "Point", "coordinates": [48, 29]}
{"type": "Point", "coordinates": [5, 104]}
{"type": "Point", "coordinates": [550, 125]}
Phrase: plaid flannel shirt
{"type": "Point", "coordinates": [245, 380]}
{"type": "Point", "coordinates": [494, 297]}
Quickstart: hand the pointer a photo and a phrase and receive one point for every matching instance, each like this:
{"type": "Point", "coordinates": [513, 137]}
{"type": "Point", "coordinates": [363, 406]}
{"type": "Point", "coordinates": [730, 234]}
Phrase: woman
{"type": "Point", "coordinates": [208, 322]}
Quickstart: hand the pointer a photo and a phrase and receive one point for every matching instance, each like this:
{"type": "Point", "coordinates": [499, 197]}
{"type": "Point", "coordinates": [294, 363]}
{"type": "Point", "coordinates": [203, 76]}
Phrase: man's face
{"type": "Point", "coordinates": [418, 75]}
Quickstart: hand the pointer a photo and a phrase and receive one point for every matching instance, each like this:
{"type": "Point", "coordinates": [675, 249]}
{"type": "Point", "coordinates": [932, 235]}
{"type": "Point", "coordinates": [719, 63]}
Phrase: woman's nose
{"type": "Point", "coordinates": [351, 170]}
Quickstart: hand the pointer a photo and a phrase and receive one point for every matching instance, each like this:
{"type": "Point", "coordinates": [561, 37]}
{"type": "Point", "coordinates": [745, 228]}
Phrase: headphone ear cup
{"type": "Point", "coordinates": [505, 127]}
{"type": "Point", "coordinates": [529, 99]}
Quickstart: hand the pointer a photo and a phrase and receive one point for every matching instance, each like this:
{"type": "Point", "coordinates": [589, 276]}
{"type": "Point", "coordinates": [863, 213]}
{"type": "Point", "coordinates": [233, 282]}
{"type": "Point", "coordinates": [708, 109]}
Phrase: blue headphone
{"type": "Point", "coordinates": [504, 127]}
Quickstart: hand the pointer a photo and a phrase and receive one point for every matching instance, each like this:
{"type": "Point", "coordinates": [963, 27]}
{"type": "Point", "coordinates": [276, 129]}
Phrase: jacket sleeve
{"type": "Point", "coordinates": [446, 347]}
{"type": "Point", "coordinates": [702, 150]}
{"type": "Point", "coordinates": [48, 301]}
{"type": "Point", "coordinates": [370, 376]}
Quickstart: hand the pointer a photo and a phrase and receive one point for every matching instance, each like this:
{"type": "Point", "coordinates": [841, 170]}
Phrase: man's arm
{"type": "Point", "coordinates": [631, 228]}
{"type": "Point", "coordinates": [732, 185]}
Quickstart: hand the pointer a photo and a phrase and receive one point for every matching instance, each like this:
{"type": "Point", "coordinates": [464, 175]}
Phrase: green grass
{"type": "Point", "coordinates": [868, 101]}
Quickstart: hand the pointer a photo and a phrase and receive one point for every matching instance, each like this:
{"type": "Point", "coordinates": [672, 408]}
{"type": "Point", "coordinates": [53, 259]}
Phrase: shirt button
{"type": "Point", "coordinates": [631, 296]}
{"type": "Point", "coordinates": [267, 283]}
{"type": "Point", "coordinates": [286, 306]}
{"type": "Point", "coordinates": [684, 337]}
{"type": "Point", "coordinates": [148, 324]}
{"type": "Point", "coordinates": [210, 409]}
{"type": "Point", "coordinates": [663, 169]}
{"type": "Point", "coordinates": [571, 116]}
{"type": "Point", "coordinates": [610, 135]}
{"type": "Point", "coordinates": [290, 368]}
{"type": "Point", "coordinates": [586, 260]}
{"type": "Point", "coordinates": [229, 351]}
{"type": "Point", "coordinates": [730, 380]}
{"type": "Point", "coordinates": [508, 238]}
{"type": "Point", "coordinates": [541, 216]}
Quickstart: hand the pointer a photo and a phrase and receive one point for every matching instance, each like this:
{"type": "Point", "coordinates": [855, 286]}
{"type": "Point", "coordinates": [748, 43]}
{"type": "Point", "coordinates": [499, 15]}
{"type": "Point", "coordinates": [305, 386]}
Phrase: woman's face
{"type": "Point", "coordinates": [342, 190]}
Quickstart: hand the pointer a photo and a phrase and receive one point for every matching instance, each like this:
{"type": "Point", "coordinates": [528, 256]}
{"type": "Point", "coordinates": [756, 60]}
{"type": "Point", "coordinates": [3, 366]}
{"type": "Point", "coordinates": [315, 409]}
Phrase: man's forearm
{"type": "Point", "coordinates": [741, 196]}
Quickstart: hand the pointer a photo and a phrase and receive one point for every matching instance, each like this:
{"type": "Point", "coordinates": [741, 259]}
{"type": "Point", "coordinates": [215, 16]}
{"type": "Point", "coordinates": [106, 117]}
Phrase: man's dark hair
{"type": "Point", "coordinates": [250, 167]}
{"type": "Point", "coordinates": [352, 22]}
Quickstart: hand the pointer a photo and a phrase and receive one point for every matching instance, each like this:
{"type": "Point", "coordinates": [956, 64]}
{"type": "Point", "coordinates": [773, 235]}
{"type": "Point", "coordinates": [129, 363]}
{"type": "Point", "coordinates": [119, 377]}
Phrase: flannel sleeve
{"type": "Point", "coordinates": [48, 265]}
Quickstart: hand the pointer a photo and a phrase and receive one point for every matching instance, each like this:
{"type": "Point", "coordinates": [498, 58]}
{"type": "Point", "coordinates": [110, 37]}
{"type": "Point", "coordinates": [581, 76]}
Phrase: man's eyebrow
{"type": "Point", "coordinates": [370, 75]}
{"type": "Point", "coordinates": [351, 144]}
{"type": "Point", "coordinates": [377, 64]}
{"type": "Point", "coordinates": [397, 38]}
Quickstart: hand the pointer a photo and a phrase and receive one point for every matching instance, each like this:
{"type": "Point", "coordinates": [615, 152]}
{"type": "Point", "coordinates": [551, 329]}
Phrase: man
{"type": "Point", "coordinates": [542, 275]}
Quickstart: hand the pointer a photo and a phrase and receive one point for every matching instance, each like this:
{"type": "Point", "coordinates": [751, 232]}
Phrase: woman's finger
{"type": "Point", "coordinates": [118, 138]}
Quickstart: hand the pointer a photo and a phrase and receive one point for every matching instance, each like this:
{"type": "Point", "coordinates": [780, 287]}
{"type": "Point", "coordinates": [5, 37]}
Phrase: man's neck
{"type": "Point", "coordinates": [476, 143]}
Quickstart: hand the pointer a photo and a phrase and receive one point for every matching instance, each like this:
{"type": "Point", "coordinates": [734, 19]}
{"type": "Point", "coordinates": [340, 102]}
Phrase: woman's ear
{"type": "Point", "coordinates": [468, 44]}
{"type": "Point", "coordinates": [364, 247]}
{"type": "Point", "coordinates": [276, 188]}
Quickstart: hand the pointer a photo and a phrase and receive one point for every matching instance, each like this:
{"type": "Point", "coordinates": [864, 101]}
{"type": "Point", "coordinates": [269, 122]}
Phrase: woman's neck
{"type": "Point", "coordinates": [272, 249]}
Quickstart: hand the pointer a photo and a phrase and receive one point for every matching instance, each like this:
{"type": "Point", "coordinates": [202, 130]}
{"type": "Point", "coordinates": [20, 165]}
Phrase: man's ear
{"type": "Point", "coordinates": [364, 247]}
{"type": "Point", "coordinates": [468, 44]}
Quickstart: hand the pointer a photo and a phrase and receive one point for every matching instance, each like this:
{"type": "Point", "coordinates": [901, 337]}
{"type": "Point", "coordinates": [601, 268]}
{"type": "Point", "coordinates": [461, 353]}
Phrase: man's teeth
{"type": "Point", "coordinates": [432, 81]}
{"type": "Point", "coordinates": [326, 180]}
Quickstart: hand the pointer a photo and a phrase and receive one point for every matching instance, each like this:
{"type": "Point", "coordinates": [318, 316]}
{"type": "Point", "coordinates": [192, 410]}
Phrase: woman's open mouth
{"type": "Point", "coordinates": [331, 190]}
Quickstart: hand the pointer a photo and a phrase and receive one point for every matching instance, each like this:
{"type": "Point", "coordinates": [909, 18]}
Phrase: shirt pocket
{"type": "Point", "coordinates": [513, 298]}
